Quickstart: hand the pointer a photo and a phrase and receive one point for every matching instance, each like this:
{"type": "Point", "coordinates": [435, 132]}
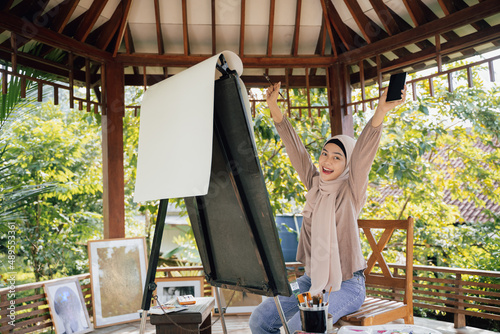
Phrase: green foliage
{"type": "Point", "coordinates": [49, 146]}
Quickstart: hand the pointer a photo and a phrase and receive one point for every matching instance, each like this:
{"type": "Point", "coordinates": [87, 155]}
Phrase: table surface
{"type": "Point", "coordinates": [196, 313]}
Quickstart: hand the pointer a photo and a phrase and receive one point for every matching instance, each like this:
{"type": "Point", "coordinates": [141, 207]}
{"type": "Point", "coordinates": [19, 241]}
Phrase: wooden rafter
{"type": "Point", "coordinates": [129, 45]}
{"type": "Point", "coordinates": [371, 31]}
{"type": "Point", "coordinates": [450, 7]}
{"type": "Point", "coordinates": [477, 38]}
{"type": "Point", "coordinates": [345, 33]}
{"type": "Point", "coordinates": [185, 28]}
{"type": "Point", "coordinates": [49, 37]}
{"type": "Point", "coordinates": [321, 44]}
{"type": "Point", "coordinates": [368, 28]}
{"type": "Point", "coordinates": [89, 19]}
{"type": "Point", "coordinates": [452, 21]}
{"type": "Point", "coordinates": [242, 28]}
{"type": "Point", "coordinates": [159, 35]}
{"type": "Point", "coordinates": [416, 12]}
{"type": "Point", "coordinates": [214, 31]}
{"type": "Point", "coordinates": [386, 17]}
{"type": "Point", "coordinates": [123, 25]}
{"type": "Point", "coordinates": [105, 33]}
{"type": "Point", "coordinates": [59, 15]}
{"type": "Point", "coordinates": [295, 43]}
{"type": "Point", "coordinates": [272, 8]}
{"type": "Point", "coordinates": [328, 25]}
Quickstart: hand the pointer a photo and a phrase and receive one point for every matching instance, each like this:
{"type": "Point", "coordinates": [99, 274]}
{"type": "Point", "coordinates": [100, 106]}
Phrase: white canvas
{"type": "Point", "coordinates": [175, 134]}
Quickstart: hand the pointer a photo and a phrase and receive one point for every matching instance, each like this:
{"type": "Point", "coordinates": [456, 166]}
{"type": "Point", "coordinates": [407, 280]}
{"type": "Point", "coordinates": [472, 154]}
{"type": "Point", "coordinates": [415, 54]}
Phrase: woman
{"type": "Point", "coordinates": [329, 245]}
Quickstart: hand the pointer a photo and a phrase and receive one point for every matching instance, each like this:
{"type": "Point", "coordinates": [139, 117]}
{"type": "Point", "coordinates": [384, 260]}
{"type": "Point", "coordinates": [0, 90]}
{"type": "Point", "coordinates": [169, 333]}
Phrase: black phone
{"type": "Point", "coordinates": [396, 84]}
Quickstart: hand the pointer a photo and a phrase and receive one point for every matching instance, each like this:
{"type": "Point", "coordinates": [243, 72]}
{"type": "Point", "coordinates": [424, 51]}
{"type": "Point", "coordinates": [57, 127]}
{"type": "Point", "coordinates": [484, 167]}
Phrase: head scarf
{"type": "Point", "coordinates": [321, 201]}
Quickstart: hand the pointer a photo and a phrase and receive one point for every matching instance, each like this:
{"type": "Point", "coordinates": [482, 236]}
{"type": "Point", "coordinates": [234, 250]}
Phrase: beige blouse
{"type": "Point", "coordinates": [351, 196]}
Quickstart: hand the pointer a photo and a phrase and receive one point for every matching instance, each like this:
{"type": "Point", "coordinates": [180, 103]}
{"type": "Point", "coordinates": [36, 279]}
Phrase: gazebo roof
{"type": "Point", "coordinates": [157, 38]}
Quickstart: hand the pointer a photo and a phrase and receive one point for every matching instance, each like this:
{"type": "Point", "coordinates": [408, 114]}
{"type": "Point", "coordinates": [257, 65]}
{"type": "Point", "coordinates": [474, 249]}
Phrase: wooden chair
{"type": "Point", "coordinates": [382, 309]}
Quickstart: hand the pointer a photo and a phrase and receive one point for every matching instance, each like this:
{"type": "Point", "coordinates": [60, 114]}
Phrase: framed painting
{"type": "Point", "coordinates": [168, 288]}
{"type": "Point", "coordinates": [239, 303]}
{"type": "Point", "coordinates": [117, 275]}
{"type": "Point", "coordinates": [67, 307]}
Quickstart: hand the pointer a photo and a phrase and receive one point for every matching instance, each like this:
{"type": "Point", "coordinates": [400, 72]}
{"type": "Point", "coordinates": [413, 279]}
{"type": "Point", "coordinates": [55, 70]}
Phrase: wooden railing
{"type": "Point", "coordinates": [28, 310]}
{"type": "Point", "coordinates": [462, 292]}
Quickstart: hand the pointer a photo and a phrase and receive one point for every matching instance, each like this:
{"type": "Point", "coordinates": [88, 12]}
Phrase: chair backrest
{"type": "Point", "coordinates": [386, 278]}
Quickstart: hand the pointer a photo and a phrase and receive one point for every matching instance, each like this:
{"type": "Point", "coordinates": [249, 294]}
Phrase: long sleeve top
{"type": "Point", "coordinates": [350, 199]}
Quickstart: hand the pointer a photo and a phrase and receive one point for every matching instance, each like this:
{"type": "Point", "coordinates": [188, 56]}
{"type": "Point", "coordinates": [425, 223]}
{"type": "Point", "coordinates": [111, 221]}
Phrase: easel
{"type": "Point", "coordinates": [242, 198]}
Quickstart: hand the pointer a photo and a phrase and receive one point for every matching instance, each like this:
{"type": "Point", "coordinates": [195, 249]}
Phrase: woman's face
{"type": "Point", "coordinates": [331, 162]}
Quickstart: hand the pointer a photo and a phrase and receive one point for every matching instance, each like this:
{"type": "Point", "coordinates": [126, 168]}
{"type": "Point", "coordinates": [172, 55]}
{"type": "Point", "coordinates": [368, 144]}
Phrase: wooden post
{"type": "Point", "coordinates": [340, 117]}
{"type": "Point", "coordinates": [112, 153]}
{"type": "Point", "coordinates": [459, 318]}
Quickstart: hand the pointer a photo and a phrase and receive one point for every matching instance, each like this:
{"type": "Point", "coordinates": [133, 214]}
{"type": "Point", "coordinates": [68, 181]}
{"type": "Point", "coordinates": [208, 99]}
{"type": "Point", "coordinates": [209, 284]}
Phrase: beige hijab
{"type": "Point", "coordinates": [323, 263]}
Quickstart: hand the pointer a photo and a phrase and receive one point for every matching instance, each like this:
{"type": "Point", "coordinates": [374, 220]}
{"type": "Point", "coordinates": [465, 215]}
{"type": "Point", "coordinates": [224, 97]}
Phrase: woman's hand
{"type": "Point", "coordinates": [272, 94]}
{"type": "Point", "coordinates": [385, 106]}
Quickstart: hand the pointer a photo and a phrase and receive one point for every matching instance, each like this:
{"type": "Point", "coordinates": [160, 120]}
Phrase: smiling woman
{"type": "Point", "coordinates": [329, 245]}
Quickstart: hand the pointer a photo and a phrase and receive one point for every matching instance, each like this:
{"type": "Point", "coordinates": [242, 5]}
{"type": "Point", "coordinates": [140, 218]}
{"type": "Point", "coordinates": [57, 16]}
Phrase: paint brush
{"type": "Point", "coordinates": [269, 80]}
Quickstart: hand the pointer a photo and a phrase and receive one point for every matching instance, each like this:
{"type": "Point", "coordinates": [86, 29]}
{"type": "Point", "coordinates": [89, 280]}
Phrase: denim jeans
{"type": "Point", "coordinates": [265, 318]}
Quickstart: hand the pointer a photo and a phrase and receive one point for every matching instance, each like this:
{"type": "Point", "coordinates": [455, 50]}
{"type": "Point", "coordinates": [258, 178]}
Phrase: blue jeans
{"type": "Point", "coordinates": [265, 318]}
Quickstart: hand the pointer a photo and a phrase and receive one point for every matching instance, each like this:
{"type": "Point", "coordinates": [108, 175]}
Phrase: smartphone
{"type": "Point", "coordinates": [396, 84]}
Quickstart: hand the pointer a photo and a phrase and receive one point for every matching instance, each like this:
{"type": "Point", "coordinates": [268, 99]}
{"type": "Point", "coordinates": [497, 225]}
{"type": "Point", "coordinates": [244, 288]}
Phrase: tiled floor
{"type": "Point", "coordinates": [238, 324]}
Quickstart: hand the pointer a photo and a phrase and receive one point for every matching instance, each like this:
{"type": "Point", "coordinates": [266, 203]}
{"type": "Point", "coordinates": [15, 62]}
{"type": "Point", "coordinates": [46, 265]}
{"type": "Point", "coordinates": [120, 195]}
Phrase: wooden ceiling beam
{"type": "Point", "coordinates": [252, 81]}
{"type": "Point", "coordinates": [466, 16]}
{"type": "Point", "coordinates": [214, 30]}
{"type": "Point", "coordinates": [242, 28]}
{"type": "Point", "coordinates": [450, 7]}
{"type": "Point", "coordinates": [481, 37]}
{"type": "Point", "coordinates": [296, 32]}
{"type": "Point", "coordinates": [416, 13]}
{"type": "Point", "coordinates": [340, 27]}
{"type": "Point", "coordinates": [386, 17]}
{"type": "Point", "coordinates": [371, 31]}
{"type": "Point", "coordinates": [60, 14]}
{"type": "Point", "coordinates": [123, 25]}
{"type": "Point", "coordinates": [159, 34]}
{"type": "Point", "coordinates": [89, 19]}
{"type": "Point", "coordinates": [148, 59]}
{"type": "Point", "coordinates": [270, 35]}
{"type": "Point", "coordinates": [129, 45]}
{"type": "Point", "coordinates": [185, 28]}
{"type": "Point", "coordinates": [51, 38]}
{"type": "Point", "coordinates": [321, 44]}
{"type": "Point", "coordinates": [105, 33]}
{"type": "Point", "coordinates": [328, 25]}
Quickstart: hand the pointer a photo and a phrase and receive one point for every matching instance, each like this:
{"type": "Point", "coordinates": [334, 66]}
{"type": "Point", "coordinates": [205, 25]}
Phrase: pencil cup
{"type": "Point", "coordinates": [314, 319]}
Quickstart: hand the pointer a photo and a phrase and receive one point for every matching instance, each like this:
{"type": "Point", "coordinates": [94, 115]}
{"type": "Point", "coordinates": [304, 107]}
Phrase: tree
{"type": "Point", "coordinates": [62, 148]}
